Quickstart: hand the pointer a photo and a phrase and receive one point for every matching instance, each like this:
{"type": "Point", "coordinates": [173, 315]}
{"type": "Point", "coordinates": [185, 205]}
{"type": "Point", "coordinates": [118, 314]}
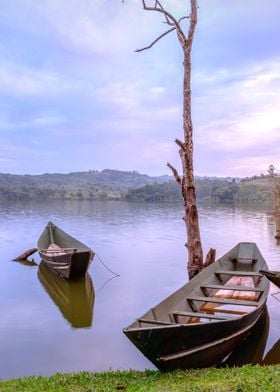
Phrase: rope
{"type": "Point", "coordinates": [275, 296]}
{"type": "Point", "coordinates": [104, 265]}
{"type": "Point", "coordinates": [105, 284]}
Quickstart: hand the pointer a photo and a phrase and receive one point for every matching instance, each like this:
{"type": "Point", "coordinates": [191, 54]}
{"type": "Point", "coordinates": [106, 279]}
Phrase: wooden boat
{"type": "Point", "coordinates": [273, 276]}
{"type": "Point", "coordinates": [64, 254]}
{"type": "Point", "coordinates": [200, 324]}
{"type": "Point", "coordinates": [74, 298]}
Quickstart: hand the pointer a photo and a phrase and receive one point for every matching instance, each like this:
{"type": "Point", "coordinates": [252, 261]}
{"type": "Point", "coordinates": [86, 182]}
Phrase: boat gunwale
{"type": "Point", "coordinates": [188, 325]}
{"type": "Point", "coordinates": [80, 246]}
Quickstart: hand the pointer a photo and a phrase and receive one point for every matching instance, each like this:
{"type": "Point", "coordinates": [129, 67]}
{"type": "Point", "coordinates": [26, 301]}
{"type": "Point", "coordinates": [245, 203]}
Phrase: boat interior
{"type": "Point", "coordinates": [227, 293]}
{"type": "Point", "coordinates": [55, 250]}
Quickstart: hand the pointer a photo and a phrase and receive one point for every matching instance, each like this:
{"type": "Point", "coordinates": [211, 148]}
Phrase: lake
{"type": "Point", "coordinates": [62, 327]}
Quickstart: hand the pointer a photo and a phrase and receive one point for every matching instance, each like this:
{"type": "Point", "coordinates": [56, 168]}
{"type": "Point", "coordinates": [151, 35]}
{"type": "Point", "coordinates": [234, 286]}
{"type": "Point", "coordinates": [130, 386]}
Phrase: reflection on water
{"type": "Point", "coordinates": [74, 298]}
{"type": "Point", "coordinates": [27, 263]}
{"type": "Point", "coordinates": [273, 355]}
{"type": "Point", "coordinates": [144, 243]}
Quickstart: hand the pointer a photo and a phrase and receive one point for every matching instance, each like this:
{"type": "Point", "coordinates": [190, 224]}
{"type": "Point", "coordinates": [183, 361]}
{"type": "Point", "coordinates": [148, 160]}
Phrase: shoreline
{"type": "Point", "coordinates": [249, 378]}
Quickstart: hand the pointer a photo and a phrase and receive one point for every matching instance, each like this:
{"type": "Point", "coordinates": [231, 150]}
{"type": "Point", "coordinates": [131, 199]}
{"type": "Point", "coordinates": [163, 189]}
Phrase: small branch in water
{"type": "Point", "coordinates": [24, 256]}
{"type": "Point", "coordinates": [210, 258]}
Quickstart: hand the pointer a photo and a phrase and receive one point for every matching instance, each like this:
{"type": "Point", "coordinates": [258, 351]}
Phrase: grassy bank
{"type": "Point", "coordinates": [248, 378]}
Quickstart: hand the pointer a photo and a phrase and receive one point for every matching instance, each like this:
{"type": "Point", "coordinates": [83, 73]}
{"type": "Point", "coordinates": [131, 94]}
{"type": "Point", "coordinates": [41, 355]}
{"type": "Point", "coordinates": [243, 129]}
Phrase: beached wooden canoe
{"type": "Point", "coordinates": [64, 254]}
{"type": "Point", "coordinates": [273, 276]}
{"type": "Point", "coordinates": [74, 298]}
{"type": "Point", "coordinates": [200, 324]}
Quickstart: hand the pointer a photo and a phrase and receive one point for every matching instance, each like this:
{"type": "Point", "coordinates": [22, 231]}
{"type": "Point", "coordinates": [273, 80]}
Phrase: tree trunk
{"type": "Point", "coordinates": [194, 246]}
{"type": "Point", "coordinates": [186, 181]}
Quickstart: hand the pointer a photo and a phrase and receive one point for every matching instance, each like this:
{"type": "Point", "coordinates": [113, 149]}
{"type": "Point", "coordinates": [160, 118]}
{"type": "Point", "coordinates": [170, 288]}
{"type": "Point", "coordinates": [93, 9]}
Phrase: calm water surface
{"type": "Point", "coordinates": [48, 325]}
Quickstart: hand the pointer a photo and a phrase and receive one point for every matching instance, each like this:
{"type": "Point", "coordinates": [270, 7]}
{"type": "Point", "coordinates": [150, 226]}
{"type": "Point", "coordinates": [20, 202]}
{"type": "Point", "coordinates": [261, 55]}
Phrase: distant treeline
{"type": "Point", "coordinates": [131, 186]}
{"type": "Point", "coordinates": [256, 189]}
{"type": "Point", "coordinates": [93, 185]}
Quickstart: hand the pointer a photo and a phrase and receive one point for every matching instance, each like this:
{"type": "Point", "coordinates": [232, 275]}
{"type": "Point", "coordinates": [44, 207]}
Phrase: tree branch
{"type": "Point", "coordinates": [156, 40]}
{"type": "Point", "coordinates": [193, 20]}
{"type": "Point", "coordinates": [159, 8]}
{"type": "Point", "coordinates": [179, 20]}
{"type": "Point", "coordinates": [210, 258]}
{"type": "Point", "coordinates": [180, 144]}
{"type": "Point", "coordinates": [184, 17]}
{"type": "Point", "coordinates": [175, 174]}
{"type": "Point", "coordinates": [166, 18]}
{"type": "Point", "coordinates": [162, 35]}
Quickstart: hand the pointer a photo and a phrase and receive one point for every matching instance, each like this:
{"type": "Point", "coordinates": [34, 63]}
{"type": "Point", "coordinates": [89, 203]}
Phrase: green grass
{"type": "Point", "coordinates": [248, 378]}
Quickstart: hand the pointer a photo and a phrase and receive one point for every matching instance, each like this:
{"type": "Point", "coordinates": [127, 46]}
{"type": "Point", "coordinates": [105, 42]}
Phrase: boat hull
{"type": "Point", "coordinates": [196, 346]}
{"type": "Point", "coordinates": [273, 276]}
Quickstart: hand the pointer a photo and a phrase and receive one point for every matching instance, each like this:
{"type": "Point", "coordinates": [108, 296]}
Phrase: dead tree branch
{"type": "Point", "coordinates": [166, 17]}
{"type": "Point", "coordinates": [155, 41]}
{"type": "Point", "coordinates": [180, 144]}
{"type": "Point", "coordinates": [179, 20]}
{"type": "Point", "coordinates": [210, 257]}
{"type": "Point", "coordinates": [24, 256]}
{"type": "Point", "coordinates": [170, 19]}
{"type": "Point", "coordinates": [175, 173]}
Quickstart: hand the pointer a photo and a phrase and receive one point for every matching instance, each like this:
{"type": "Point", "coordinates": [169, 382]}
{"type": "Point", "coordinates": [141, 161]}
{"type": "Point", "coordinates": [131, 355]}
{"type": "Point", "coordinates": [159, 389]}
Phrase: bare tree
{"type": "Point", "coordinates": [275, 180]}
{"type": "Point", "coordinates": [186, 180]}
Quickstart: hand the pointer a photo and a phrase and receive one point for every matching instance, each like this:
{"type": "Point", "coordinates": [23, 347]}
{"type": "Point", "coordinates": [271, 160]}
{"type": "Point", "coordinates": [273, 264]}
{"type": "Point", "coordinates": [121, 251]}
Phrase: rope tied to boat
{"type": "Point", "coordinates": [104, 265]}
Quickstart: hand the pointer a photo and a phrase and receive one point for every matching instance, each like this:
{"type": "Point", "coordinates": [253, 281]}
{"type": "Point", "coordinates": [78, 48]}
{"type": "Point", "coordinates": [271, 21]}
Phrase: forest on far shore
{"type": "Point", "coordinates": [130, 186]}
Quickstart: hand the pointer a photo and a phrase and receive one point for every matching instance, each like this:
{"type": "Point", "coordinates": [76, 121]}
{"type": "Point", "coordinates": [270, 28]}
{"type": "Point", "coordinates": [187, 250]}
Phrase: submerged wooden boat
{"type": "Point", "coordinates": [64, 254]}
{"type": "Point", "coordinates": [200, 324]}
{"type": "Point", "coordinates": [74, 298]}
{"type": "Point", "coordinates": [273, 276]}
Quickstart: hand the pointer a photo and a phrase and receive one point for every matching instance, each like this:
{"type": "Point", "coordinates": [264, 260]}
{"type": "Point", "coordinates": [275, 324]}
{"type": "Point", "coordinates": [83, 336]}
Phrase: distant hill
{"type": "Point", "coordinates": [113, 178]}
{"type": "Point", "coordinates": [107, 184]}
{"type": "Point", "coordinates": [128, 185]}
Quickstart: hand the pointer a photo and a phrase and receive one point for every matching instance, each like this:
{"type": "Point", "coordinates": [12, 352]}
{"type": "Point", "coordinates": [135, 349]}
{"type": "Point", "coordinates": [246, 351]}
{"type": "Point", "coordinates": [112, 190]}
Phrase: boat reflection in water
{"type": "Point", "coordinates": [252, 349]}
{"type": "Point", "coordinates": [27, 263]}
{"type": "Point", "coordinates": [273, 355]}
{"type": "Point", "coordinates": [74, 298]}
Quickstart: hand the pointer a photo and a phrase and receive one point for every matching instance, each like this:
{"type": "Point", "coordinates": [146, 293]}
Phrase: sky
{"type": "Point", "coordinates": [74, 94]}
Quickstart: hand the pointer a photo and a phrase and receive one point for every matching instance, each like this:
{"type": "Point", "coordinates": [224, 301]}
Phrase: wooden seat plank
{"type": "Point", "coordinates": [240, 259]}
{"type": "Point", "coordinates": [201, 315]}
{"type": "Point", "coordinates": [229, 287]}
{"type": "Point", "coordinates": [157, 322]}
{"type": "Point", "coordinates": [222, 301]}
{"type": "Point", "coordinates": [238, 273]}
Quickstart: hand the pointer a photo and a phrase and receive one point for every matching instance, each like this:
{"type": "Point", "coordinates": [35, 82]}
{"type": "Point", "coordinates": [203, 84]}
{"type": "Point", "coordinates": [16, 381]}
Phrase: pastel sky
{"type": "Point", "coordinates": [74, 94]}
